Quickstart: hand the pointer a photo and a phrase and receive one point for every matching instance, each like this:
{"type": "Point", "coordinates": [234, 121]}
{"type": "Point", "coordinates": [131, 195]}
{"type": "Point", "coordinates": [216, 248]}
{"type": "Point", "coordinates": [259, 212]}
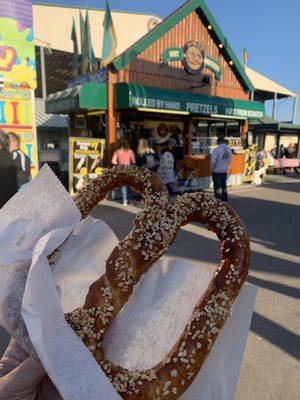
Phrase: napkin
{"type": "Point", "coordinates": [43, 205]}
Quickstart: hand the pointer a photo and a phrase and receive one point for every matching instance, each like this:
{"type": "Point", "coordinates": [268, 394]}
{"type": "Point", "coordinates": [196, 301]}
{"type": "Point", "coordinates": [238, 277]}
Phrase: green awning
{"type": "Point", "coordinates": [90, 96]}
{"type": "Point", "coordinates": [142, 97]}
{"type": "Point", "coordinates": [271, 125]}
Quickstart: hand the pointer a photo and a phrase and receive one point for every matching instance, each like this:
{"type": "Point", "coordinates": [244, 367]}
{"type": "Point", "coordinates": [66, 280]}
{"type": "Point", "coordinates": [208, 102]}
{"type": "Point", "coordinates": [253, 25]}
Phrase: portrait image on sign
{"type": "Point", "coordinates": [194, 57]}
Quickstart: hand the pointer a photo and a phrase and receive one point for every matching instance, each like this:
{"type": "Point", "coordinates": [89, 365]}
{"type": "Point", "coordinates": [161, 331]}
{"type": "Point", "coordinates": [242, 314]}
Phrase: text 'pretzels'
{"type": "Point", "coordinates": [154, 230]}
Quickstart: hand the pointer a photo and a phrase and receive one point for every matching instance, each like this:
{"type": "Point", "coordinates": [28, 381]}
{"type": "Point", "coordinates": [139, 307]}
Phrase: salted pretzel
{"type": "Point", "coordinates": [154, 230]}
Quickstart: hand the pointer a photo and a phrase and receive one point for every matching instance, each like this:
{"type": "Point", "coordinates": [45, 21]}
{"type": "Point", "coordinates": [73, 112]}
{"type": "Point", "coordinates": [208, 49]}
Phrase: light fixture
{"type": "Point", "coordinates": [230, 62]}
{"type": "Point", "coordinates": [227, 116]}
{"type": "Point", "coordinates": [155, 110]}
{"type": "Point", "coordinates": [209, 27]}
{"type": "Point", "coordinates": [97, 112]}
{"type": "Point", "coordinates": [220, 45]}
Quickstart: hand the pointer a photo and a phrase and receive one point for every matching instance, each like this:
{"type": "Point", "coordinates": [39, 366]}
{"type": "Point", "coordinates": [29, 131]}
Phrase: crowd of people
{"type": "Point", "coordinates": [14, 166]}
{"type": "Point", "coordinates": [161, 161]}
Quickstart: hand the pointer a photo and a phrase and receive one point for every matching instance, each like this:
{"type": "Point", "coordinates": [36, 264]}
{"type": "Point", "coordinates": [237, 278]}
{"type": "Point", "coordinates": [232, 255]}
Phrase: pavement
{"type": "Point", "coordinates": [270, 368]}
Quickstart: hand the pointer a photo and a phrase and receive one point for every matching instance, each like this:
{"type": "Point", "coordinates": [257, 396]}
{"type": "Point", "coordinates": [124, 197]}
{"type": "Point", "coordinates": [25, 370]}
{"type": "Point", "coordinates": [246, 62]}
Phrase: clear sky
{"type": "Point", "coordinates": [269, 29]}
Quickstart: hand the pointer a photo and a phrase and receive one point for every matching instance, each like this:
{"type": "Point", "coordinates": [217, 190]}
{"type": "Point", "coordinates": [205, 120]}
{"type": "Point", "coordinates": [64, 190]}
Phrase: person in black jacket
{"type": "Point", "coordinates": [21, 159]}
{"type": "Point", "coordinates": [8, 171]}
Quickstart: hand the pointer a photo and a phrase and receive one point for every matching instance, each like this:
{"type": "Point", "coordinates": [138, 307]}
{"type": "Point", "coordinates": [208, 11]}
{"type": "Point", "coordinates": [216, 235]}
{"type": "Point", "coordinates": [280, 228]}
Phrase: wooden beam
{"type": "Point", "coordinates": [245, 129]}
{"type": "Point", "coordinates": [111, 118]}
{"type": "Point", "coordinates": [187, 135]}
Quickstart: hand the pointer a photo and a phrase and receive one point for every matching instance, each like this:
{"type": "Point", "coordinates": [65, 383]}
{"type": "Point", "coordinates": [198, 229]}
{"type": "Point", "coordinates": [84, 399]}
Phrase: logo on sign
{"type": "Point", "coordinates": [193, 57]}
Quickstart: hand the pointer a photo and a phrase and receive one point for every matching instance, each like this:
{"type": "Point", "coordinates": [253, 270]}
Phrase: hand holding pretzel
{"type": "Point", "coordinates": [154, 230]}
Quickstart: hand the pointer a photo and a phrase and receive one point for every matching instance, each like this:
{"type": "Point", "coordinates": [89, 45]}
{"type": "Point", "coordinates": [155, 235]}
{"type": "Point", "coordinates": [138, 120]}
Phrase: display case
{"type": "Point", "coordinates": [205, 145]}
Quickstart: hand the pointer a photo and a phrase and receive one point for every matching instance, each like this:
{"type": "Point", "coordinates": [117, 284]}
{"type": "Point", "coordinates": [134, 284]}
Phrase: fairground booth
{"type": "Point", "coordinates": [180, 82]}
{"type": "Point", "coordinates": [268, 133]}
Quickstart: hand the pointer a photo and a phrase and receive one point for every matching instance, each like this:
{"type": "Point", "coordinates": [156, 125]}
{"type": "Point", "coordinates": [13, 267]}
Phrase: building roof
{"type": "Point", "coordinates": [167, 24]}
{"type": "Point", "coordinates": [48, 120]}
{"type": "Point", "coordinates": [266, 87]}
{"type": "Point", "coordinates": [53, 25]}
{"type": "Point", "coordinates": [268, 124]}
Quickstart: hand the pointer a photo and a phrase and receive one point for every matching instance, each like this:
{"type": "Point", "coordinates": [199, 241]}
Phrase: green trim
{"type": "Point", "coordinates": [90, 96]}
{"type": "Point", "coordinates": [137, 96]}
{"type": "Point", "coordinates": [219, 37]}
{"type": "Point", "coordinates": [199, 5]}
{"type": "Point", "coordinates": [268, 124]}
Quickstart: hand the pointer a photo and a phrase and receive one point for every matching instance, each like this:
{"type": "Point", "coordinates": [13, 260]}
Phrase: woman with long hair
{"type": "Point", "coordinates": [123, 156]}
{"type": "Point", "coordinates": [146, 156]}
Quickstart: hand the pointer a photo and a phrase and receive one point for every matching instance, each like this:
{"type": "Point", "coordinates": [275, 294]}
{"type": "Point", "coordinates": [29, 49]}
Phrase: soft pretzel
{"type": "Point", "coordinates": [154, 230]}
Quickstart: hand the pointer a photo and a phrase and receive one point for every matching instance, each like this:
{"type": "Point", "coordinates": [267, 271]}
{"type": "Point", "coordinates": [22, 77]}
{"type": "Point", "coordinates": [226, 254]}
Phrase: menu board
{"type": "Point", "coordinates": [250, 163]}
{"type": "Point", "coordinates": [86, 161]}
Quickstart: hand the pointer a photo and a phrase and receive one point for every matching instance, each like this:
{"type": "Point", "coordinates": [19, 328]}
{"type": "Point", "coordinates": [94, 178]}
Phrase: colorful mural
{"type": "Point", "coordinates": [17, 55]}
{"type": "Point", "coordinates": [16, 115]}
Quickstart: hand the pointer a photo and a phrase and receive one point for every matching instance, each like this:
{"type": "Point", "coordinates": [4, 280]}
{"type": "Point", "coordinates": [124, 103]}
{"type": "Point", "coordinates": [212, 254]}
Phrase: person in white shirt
{"type": "Point", "coordinates": [220, 163]}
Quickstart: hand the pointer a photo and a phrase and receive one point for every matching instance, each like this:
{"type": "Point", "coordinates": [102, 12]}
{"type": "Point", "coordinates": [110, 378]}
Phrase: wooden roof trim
{"type": "Point", "coordinates": [167, 24]}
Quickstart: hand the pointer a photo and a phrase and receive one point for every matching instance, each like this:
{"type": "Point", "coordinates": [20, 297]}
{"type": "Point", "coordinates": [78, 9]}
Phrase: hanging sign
{"type": "Point", "coordinates": [172, 54]}
{"type": "Point", "coordinates": [213, 65]}
{"type": "Point", "coordinates": [193, 58]}
{"type": "Point", "coordinates": [99, 76]}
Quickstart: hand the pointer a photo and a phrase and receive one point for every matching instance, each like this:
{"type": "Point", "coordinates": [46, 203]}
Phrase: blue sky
{"type": "Point", "coordinates": [269, 29]}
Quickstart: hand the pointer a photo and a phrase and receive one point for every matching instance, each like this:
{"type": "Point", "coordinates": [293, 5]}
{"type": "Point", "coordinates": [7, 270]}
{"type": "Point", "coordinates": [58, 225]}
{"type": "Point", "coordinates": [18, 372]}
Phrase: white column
{"type": "Point", "coordinates": [295, 109]}
{"type": "Point", "coordinates": [43, 73]}
{"type": "Point", "coordinates": [274, 105]}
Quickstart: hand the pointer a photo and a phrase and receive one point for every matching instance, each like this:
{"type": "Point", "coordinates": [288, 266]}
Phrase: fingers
{"type": "Point", "coordinates": [13, 356]}
{"type": "Point", "coordinates": [48, 391]}
{"type": "Point", "coordinates": [21, 382]}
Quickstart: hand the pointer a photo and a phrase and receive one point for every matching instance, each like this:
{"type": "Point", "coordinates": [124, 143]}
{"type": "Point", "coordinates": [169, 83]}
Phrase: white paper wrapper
{"type": "Point", "coordinates": [141, 334]}
{"type": "Point", "coordinates": [43, 205]}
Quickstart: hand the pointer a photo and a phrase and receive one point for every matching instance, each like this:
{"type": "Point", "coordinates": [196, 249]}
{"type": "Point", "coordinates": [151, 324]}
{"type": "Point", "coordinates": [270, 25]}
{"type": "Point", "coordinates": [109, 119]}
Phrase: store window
{"type": "Point", "coordinates": [206, 133]}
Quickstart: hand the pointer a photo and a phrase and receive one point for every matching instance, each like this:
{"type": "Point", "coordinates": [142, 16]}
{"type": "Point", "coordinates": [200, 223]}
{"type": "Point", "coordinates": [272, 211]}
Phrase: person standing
{"type": "Point", "coordinates": [8, 171]}
{"type": "Point", "coordinates": [166, 170]}
{"type": "Point", "coordinates": [290, 151]}
{"type": "Point", "coordinates": [146, 157]}
{"type": "Point", "coordinates": [21, 159]}
{"type": "Point", "coordinates": [123, 156]}
{"type": "Point", "coordinates": [220, 163]}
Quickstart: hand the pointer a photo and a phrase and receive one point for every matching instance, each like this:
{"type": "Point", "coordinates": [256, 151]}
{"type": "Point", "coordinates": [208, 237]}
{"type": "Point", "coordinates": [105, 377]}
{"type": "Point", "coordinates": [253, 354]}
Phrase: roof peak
{"type": "Point", "coordinates": [263, 83]}
{"type": "Point", "coordinates": [173, 19]}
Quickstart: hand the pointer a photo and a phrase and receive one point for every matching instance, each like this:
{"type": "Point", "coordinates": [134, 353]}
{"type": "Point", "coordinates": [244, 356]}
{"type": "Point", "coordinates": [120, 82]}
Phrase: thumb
{"type": "Point", "coordinates": [21, 383]}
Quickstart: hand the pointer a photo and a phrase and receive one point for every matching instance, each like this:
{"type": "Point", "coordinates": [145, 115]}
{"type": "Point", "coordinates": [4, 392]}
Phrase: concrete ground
{"type": "Point", "coordinates": [271, 368]}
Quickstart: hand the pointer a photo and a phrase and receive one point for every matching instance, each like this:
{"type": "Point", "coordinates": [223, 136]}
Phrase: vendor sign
{"type": "Point", "coordinates": [193, 58]}
{"type": "Point", "coordinates": [86, 161]}
{"type": "Point", "coordinates": [143, 98]}
{"type": "Point", "coordinates": [17, 115]}
{"type": "Point", "coordinates": [250, 163]}
{"type": "Point", "coordinates": [17, 54]}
